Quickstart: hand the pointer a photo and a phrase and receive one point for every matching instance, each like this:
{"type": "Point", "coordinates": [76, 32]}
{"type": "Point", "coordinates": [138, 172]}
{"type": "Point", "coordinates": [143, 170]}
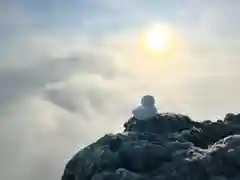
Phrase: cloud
{"type": "Point", "coordinates": [48, 109]}
{"type": "Point", "coordinates": [33, 138]}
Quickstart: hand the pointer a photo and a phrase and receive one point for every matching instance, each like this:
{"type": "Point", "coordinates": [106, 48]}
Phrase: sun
{"type": "Point", "coordinates": [157, 38]}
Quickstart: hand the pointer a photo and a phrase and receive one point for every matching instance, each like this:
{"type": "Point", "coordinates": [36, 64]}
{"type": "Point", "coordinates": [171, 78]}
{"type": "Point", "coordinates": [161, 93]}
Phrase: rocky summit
{"type": "Point", "coordinates": [166, 147]}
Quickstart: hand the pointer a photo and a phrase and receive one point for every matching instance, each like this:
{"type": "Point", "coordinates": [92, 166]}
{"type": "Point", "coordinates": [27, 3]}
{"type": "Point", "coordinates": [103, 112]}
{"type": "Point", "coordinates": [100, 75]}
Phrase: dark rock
{"type": "Point", "coordinates": [162, 123]}
{"type": "Point", "coordinates": [167, 147]}
{"type": "Point", "coordinates": [232, 118]}
{"type": "Point", "coordinates": [115, 144]}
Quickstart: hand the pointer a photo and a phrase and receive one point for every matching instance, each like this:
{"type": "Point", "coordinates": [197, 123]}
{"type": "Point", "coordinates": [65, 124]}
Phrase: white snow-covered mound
{"type": "Point", "coordinates": [147, 108]}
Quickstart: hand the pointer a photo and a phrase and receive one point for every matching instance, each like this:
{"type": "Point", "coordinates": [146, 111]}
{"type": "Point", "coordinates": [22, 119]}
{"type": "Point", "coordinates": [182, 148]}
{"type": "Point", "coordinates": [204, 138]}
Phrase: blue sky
{"type": "Point", "coordinates": [70, 66]}
{"type": "Point", "coordinates": [78, 15]}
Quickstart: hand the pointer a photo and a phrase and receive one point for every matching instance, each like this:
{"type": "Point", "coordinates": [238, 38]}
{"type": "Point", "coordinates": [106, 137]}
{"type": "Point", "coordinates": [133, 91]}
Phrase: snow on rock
{"type": "Point", "coordinates": [147, 108]}
{"type": "Point", "coordinates": [165, 147]}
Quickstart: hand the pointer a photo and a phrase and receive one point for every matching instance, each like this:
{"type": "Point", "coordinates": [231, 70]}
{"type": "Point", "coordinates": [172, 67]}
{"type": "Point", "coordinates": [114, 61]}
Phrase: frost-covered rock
{"type": "Point", "coordinates": [147, 108]}
{"type": "Point", "coordinates": [166, 147]}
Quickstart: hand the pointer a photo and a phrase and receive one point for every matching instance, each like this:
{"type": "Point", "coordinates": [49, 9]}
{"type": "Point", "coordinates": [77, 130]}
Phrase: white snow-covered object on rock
{"type": "Point", "coordinates": [147, 108]}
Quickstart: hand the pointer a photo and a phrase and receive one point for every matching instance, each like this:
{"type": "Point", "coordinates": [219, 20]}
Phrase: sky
{"type": "Point", "coordinates": [72, 71]}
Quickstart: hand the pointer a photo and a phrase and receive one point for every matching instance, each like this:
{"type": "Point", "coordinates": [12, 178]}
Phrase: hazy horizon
{"type": "Point", "coordinates": [71, 71]}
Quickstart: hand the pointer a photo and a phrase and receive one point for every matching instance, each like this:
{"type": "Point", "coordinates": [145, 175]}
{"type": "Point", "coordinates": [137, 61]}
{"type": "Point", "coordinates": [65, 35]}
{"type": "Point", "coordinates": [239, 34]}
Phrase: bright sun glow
{"type": "Point", "coordinates": [157, 38]}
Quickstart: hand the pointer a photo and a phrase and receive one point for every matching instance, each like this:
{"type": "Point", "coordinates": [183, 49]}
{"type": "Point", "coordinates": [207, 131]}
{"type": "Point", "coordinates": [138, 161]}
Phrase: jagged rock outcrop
{"type": "Point", "coordinates": [167, 147]}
